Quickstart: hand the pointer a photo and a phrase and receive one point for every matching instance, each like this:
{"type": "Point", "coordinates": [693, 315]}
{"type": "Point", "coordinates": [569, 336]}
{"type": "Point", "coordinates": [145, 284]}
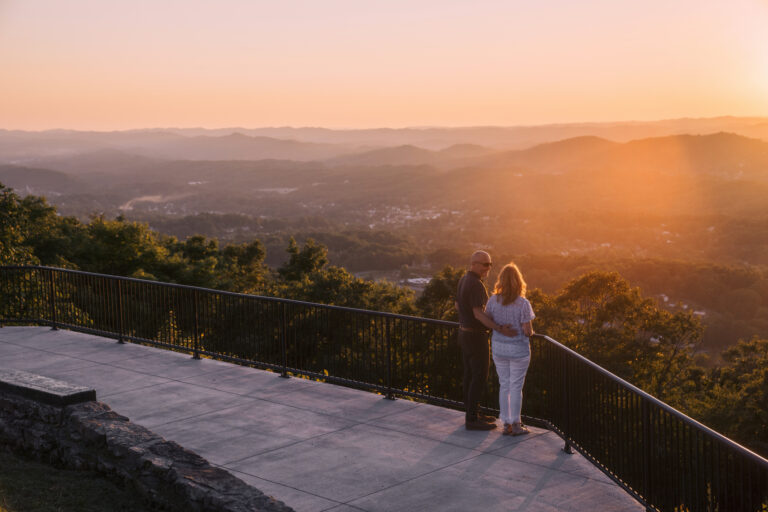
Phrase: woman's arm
{"type": "Point", "coordinates": [528, 328]}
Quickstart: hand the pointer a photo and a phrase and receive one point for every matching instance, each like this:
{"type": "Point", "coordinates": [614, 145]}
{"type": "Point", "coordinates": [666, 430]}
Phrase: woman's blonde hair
{"type": "Point", "coordinates": [510, 284]}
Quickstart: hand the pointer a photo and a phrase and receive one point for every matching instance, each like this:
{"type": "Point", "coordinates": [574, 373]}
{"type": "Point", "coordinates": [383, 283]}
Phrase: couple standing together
{"type": "Point", "coordinates": [508, 314]}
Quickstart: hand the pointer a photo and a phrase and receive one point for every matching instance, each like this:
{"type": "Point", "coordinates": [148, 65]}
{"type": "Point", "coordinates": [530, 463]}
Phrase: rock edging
{"type": "Point", "coordinates": [90, 435]}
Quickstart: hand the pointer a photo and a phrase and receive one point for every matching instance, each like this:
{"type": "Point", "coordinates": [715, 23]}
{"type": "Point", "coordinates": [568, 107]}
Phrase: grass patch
{"type": "Point", "coordinates": [27, 486]}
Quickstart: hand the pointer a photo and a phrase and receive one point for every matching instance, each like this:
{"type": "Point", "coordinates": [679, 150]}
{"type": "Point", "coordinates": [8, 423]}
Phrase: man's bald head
{"type": "Point", "coordinates": [479, 257]}
{"type": "Point", "coordinates": [480, 263]}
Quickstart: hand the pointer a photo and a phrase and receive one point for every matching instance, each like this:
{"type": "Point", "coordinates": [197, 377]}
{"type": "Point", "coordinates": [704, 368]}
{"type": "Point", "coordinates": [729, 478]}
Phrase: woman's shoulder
{"type": "Point", "coordinates": [497, 300]}
{"type": "Point", "coordinates": [524, 303]}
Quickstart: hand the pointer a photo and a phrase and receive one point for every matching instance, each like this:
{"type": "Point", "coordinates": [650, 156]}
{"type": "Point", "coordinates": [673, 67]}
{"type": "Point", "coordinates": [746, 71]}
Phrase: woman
{"type": "Point", "coordinates": [508, 306]}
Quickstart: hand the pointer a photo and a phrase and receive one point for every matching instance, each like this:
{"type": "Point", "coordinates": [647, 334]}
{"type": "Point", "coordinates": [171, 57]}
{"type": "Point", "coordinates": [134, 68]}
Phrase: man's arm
{"type": "Point", "coordinates": [489, 323]}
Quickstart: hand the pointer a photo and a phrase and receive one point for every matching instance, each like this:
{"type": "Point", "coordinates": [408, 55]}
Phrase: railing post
{"type": "Point", "coordinates": [120, 322]}
{"type": "Point", "coordinates": [196, 348]}
{"type": "Point", "coordinates": [4, 275]}
{"type": "Point", "coordinates": [390, 395]}
{"type": "Point", "coordinates": [52, 302]}
{"type": "Point", "coordinates": [284, 338]}
{"type": "Point", "coordinates": [645, 412]}
{"type": "Point", "coordinates": [567, 409]}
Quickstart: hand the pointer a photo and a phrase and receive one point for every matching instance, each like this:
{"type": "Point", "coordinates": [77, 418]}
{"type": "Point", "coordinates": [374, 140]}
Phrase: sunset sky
{"type": "Point", "coordinates": [118, 64]}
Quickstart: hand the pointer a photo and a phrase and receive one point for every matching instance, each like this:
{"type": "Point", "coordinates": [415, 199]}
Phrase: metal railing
{"type": "Point", "coordinates": [666, 460]}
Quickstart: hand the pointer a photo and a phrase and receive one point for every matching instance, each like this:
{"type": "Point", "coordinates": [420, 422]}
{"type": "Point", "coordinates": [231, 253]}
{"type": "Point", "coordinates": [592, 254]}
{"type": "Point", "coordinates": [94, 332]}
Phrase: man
{"type": "Point", "coordinates": [471, 297]}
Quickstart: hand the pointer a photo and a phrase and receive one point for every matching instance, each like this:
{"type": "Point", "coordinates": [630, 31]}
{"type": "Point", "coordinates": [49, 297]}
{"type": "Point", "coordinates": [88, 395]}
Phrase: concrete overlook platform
{"type": "Point", "coordinates": [316, 446]}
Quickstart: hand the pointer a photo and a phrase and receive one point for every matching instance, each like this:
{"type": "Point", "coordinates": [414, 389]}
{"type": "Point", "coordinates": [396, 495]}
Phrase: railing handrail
{"type": "Point", "coordinates": [668, 408]}
{"type": "Point", "coordinates": [432, 321]}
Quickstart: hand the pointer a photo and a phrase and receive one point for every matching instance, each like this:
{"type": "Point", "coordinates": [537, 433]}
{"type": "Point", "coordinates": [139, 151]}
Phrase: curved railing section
{"type": "Point", "coordinates": [666, 460]}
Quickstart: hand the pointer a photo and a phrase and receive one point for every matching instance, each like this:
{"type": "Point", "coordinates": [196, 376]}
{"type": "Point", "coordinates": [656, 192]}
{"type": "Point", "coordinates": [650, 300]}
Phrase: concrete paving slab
{"type": "Point", "coordinates": [447, 425]}
{"type": "Point", "coordinates": [12, 333]}
{"type": "Point", "coordinates": [9, 348]}
{"type": "Point", "coordinates": [159, 404]}
{"type": "Point", "coordinates": [354, 462]}
{"type": "Point", "coordinates": [298, 500]}
{"type": "Point", "coordinates": [227, 446]}
{"type": "Point", "coordinates": [73, 345]}
{"type": "Point", "coordinates": [20, 333]}
{"type": "Point", "coordinates": [41, 336]}
{"type": "Point", "coordinates": [77, 345]}
{"type": "Point", "coordinates": [240, 432]}
{"type": "Point", "coordinates": [545, 456]}
{"type": "Point", "coordinates": [346, 403]}
{"type": "Point", "coordinates": [175, 365]}
{"type": "Point", "coordinates": [108, 380]}
{"type": "Point", "coordinates": [106, 353]}
{"type": "Point", "coordinates": [491, 483]}
{"type": "Point", "coordinates": [247, 381]}
{"type": "Point", "coordinates": [42, 362]}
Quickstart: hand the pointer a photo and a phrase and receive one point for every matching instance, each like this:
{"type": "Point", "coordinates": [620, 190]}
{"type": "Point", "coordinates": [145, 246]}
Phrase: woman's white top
{"type": "Point", "coordinates": [515, 315]}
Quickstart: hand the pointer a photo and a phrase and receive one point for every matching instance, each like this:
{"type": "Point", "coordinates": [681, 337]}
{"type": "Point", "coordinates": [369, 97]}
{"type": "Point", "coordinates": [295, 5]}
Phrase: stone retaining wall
{"type": "Point", "coordinates": [92, 436]}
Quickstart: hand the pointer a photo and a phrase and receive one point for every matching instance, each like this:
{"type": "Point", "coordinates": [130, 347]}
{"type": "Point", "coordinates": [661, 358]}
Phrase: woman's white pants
{"type": "Point", "coordinates": [511, 371]}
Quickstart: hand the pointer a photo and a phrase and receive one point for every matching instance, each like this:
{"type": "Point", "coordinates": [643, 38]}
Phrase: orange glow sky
{"type": "Point", "coordinates": [118, 64]}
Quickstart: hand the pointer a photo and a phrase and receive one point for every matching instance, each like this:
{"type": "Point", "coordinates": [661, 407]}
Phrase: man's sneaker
{"type": "Point", "coordinates": [486, 418]}
{"type": "Point", "coordinates": [479, 425]}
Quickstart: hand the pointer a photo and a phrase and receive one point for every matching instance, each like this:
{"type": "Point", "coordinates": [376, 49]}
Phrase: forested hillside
{"type": "Point", "coordinates": [678, 207]}
{"type": "Point", "coordinates": [598, 313]}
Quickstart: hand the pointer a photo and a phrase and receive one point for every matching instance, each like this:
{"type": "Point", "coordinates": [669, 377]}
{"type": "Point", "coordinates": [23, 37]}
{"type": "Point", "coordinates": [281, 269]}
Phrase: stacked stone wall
{"type": "Point", "coordinates": [90, 435]}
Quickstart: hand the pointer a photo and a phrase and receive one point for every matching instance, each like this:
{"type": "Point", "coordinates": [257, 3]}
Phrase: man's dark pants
{"type": "Point", "coordinates": [476, 358]}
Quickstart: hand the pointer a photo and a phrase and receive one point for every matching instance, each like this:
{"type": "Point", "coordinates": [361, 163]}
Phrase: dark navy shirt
{"type": "Point", "coordinates": [471, 294]}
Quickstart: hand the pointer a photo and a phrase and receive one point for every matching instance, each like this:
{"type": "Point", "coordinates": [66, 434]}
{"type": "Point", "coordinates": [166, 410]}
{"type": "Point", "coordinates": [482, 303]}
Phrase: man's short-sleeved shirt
{"type": "Point", "coordinates": [471, 294]}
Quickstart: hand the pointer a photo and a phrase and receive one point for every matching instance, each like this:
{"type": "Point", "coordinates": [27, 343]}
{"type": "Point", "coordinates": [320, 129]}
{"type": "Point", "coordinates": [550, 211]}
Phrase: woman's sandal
{"type": "Point", "coordinates": [517, 429]}
{"type": "Point", "coordinates": [507, 430]}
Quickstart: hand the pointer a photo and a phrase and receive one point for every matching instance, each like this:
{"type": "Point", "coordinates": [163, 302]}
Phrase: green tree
{"type": "Point", "coordinates": [242, 267]}
{"type": "Point", "coordinates": [200, 261]}
{"type": "Point", "coordinates": [437, 300]}
{"type": "Point", "coordinates": [311, 258]}
{"type": "Point", "coordinates": [123, 248]}
{"type": "Point", "coordinates": [307, 277]}
{"type": "Point", "coordinates": [600, 316]}
{"type": "Point", "coordinates": [737, 402]}
{"type": "Point", "coordinates": [14, 229]}
{"type": "Point", "coordinates": [336, 286]}
{"type": "Point", "coordinates": [195, 262]}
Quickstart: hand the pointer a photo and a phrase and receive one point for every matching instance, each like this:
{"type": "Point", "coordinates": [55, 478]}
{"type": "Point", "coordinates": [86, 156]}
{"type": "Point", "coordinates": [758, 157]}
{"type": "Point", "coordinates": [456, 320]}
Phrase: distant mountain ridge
{"type": "Point", "coordinates": [718, 152]}
{"type": "Point", "coordinates": [28, 147]}
{"type": "Point", "coordinates": [714, 153]}
{"type": "Point", "coordinates": [507, 137]}
{"type": "Point", "coordinates": [303, 144]}
{"type": "Point", "coordinates": [237, 146]}
{"type": "Point", "coordinates": [677, 173]}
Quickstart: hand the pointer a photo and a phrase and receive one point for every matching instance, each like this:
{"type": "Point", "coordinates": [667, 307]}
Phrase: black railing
{"type": "Point", "coordinates": [666, 460]}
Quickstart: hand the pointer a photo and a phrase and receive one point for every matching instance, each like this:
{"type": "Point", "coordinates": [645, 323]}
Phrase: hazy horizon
{"type": "Point", "coordinates": [403, 127]}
